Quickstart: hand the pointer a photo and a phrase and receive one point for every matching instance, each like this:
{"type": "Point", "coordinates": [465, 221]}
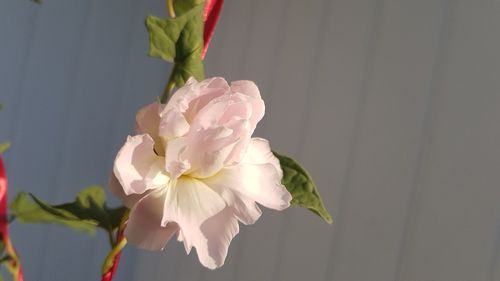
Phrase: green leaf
{"type": "Point", "coordinates": [87, 212]}
{"type": "Point", "coordinates": [300, 184]}
{"type": "Point", "coordinates": [182, 7]}
{"type": "Point", "coordinates": [4, 146]}
{"type": "Point", "coordinates": [27, 211]}
{"type": "Point", "coordinates": [179, 40]}
{"type": "Point", "coordinates": [163, 36]}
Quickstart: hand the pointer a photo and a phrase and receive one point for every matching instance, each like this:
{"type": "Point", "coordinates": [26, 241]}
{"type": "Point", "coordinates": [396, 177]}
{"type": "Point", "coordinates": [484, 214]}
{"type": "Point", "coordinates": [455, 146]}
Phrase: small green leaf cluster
{"type": "Point", "coordinates": [179, 40]}
{"type": "Point", "coordinates": [86, 213]}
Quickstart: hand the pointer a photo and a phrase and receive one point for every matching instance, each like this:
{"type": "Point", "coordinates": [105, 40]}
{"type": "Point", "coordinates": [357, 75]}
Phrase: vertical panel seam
{"type": "Point", "coordinates": [370, 52]}
{"type": "Point", "coordinates": [425, 142]}
{"type": "Point", "coordinates": [306, 113]}
{"type": "Point", "coordinates": [495, 256]}
{"type": "Point", "coordinates": [271, 77]}
{"type": "Point", "coordinates": [117, 97]}
{"type": "Point", "coordinates": [64, 135]}
{"type": "Point", "coordinates": [21, 85]}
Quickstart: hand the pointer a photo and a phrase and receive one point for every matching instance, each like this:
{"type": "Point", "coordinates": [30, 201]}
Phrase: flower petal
{"type": "Point", "coordinates": [175, 165]}
{"type": "Point", "coordinates": [190, 203]}
{"type": "Point", "coordinates": [259, 182]}
{"type": "Point", "coordinates": [117, 190]}
{"type": "Point", "coordinates": [144, 227]}
{"type": "Point", "coordinates": [241, 129]}
{"type": "Point", "coordinates": [251, 90]}
{"type": "Point", "coordinates": [218, 230]}
{"type": "Point", "coordinates": [223, 109]}
{"type": "Point", "coordinates": [209, 150]}
{"type": "Point", "coordinates": [246, 87]}
{"type": "Point", "coordinates": [194, 95]}
{"type": "Point", "coordinates": [204, 152]}
{"type": "Point", "coordinates": [237, 108]}
{"type": "Point", "coordinates": [173, 124]}
{"type": "Point", "coordinates": [243, 207]}
{"type": "Point", "coordinates": [148, 122]}
{"type": "Point", "coordinates": [209, 115]}
{"type": "Point", "coordinates": [148, 119]}
{"type": "Point", "coordinates": [137, 167]}
{"type": "Point", "coordinates": [187, 245]}
{"type": "Point", "coordinates": [259, 152]}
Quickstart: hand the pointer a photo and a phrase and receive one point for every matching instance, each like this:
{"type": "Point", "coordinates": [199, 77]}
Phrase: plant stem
{"type": "Point", "coordinates": [110, 258]}
{"type": "Point", "coordinates": [111, 262]}
{"type": "Point", "coordinates": [169, 87]}
{"type": "Point", "coordinates": [111, 238]}
{"type": "Point", "coordinates": [170, 8]}
{"type": "Point", "coordinates": [14, 265]}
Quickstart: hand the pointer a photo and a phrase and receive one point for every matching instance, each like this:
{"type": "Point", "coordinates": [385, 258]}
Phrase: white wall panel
{"type": "Point", "coordinates": [454, 229]}
{"type": "Point", "coordinates": [393, 106]}
{"type": "Point", "coordinates": [384, 151]}
{"type": "Point", "coordinates": [333, 91]}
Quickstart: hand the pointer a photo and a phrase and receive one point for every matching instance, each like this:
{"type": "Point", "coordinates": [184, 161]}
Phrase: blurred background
{"type": "Point", "coordinates": [392, 105]}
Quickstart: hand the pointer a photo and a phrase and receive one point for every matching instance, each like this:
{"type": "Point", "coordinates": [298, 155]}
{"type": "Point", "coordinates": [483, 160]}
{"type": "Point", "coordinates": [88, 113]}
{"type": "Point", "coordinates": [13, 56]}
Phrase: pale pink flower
{"type": "Point", "coordinates": [194, 170]}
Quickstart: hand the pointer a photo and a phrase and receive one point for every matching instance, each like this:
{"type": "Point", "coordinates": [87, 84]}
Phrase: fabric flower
{"type": "Point", "coordinates": [193, 169]}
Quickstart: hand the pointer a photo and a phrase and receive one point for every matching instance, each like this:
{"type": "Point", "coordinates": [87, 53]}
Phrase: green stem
{"type": "Point", "coordinates": [108, 262]}
{"type": "Point", "coordinates": [116, 245]}
{"type": "Point", "coordinates": [111, 238]}
{"type": "Point", "coordinates": [169, 87]}
{"type": "Point", "coordinates": [170, 8]}
{"type": "Point", "coordinates": [14, 265]}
